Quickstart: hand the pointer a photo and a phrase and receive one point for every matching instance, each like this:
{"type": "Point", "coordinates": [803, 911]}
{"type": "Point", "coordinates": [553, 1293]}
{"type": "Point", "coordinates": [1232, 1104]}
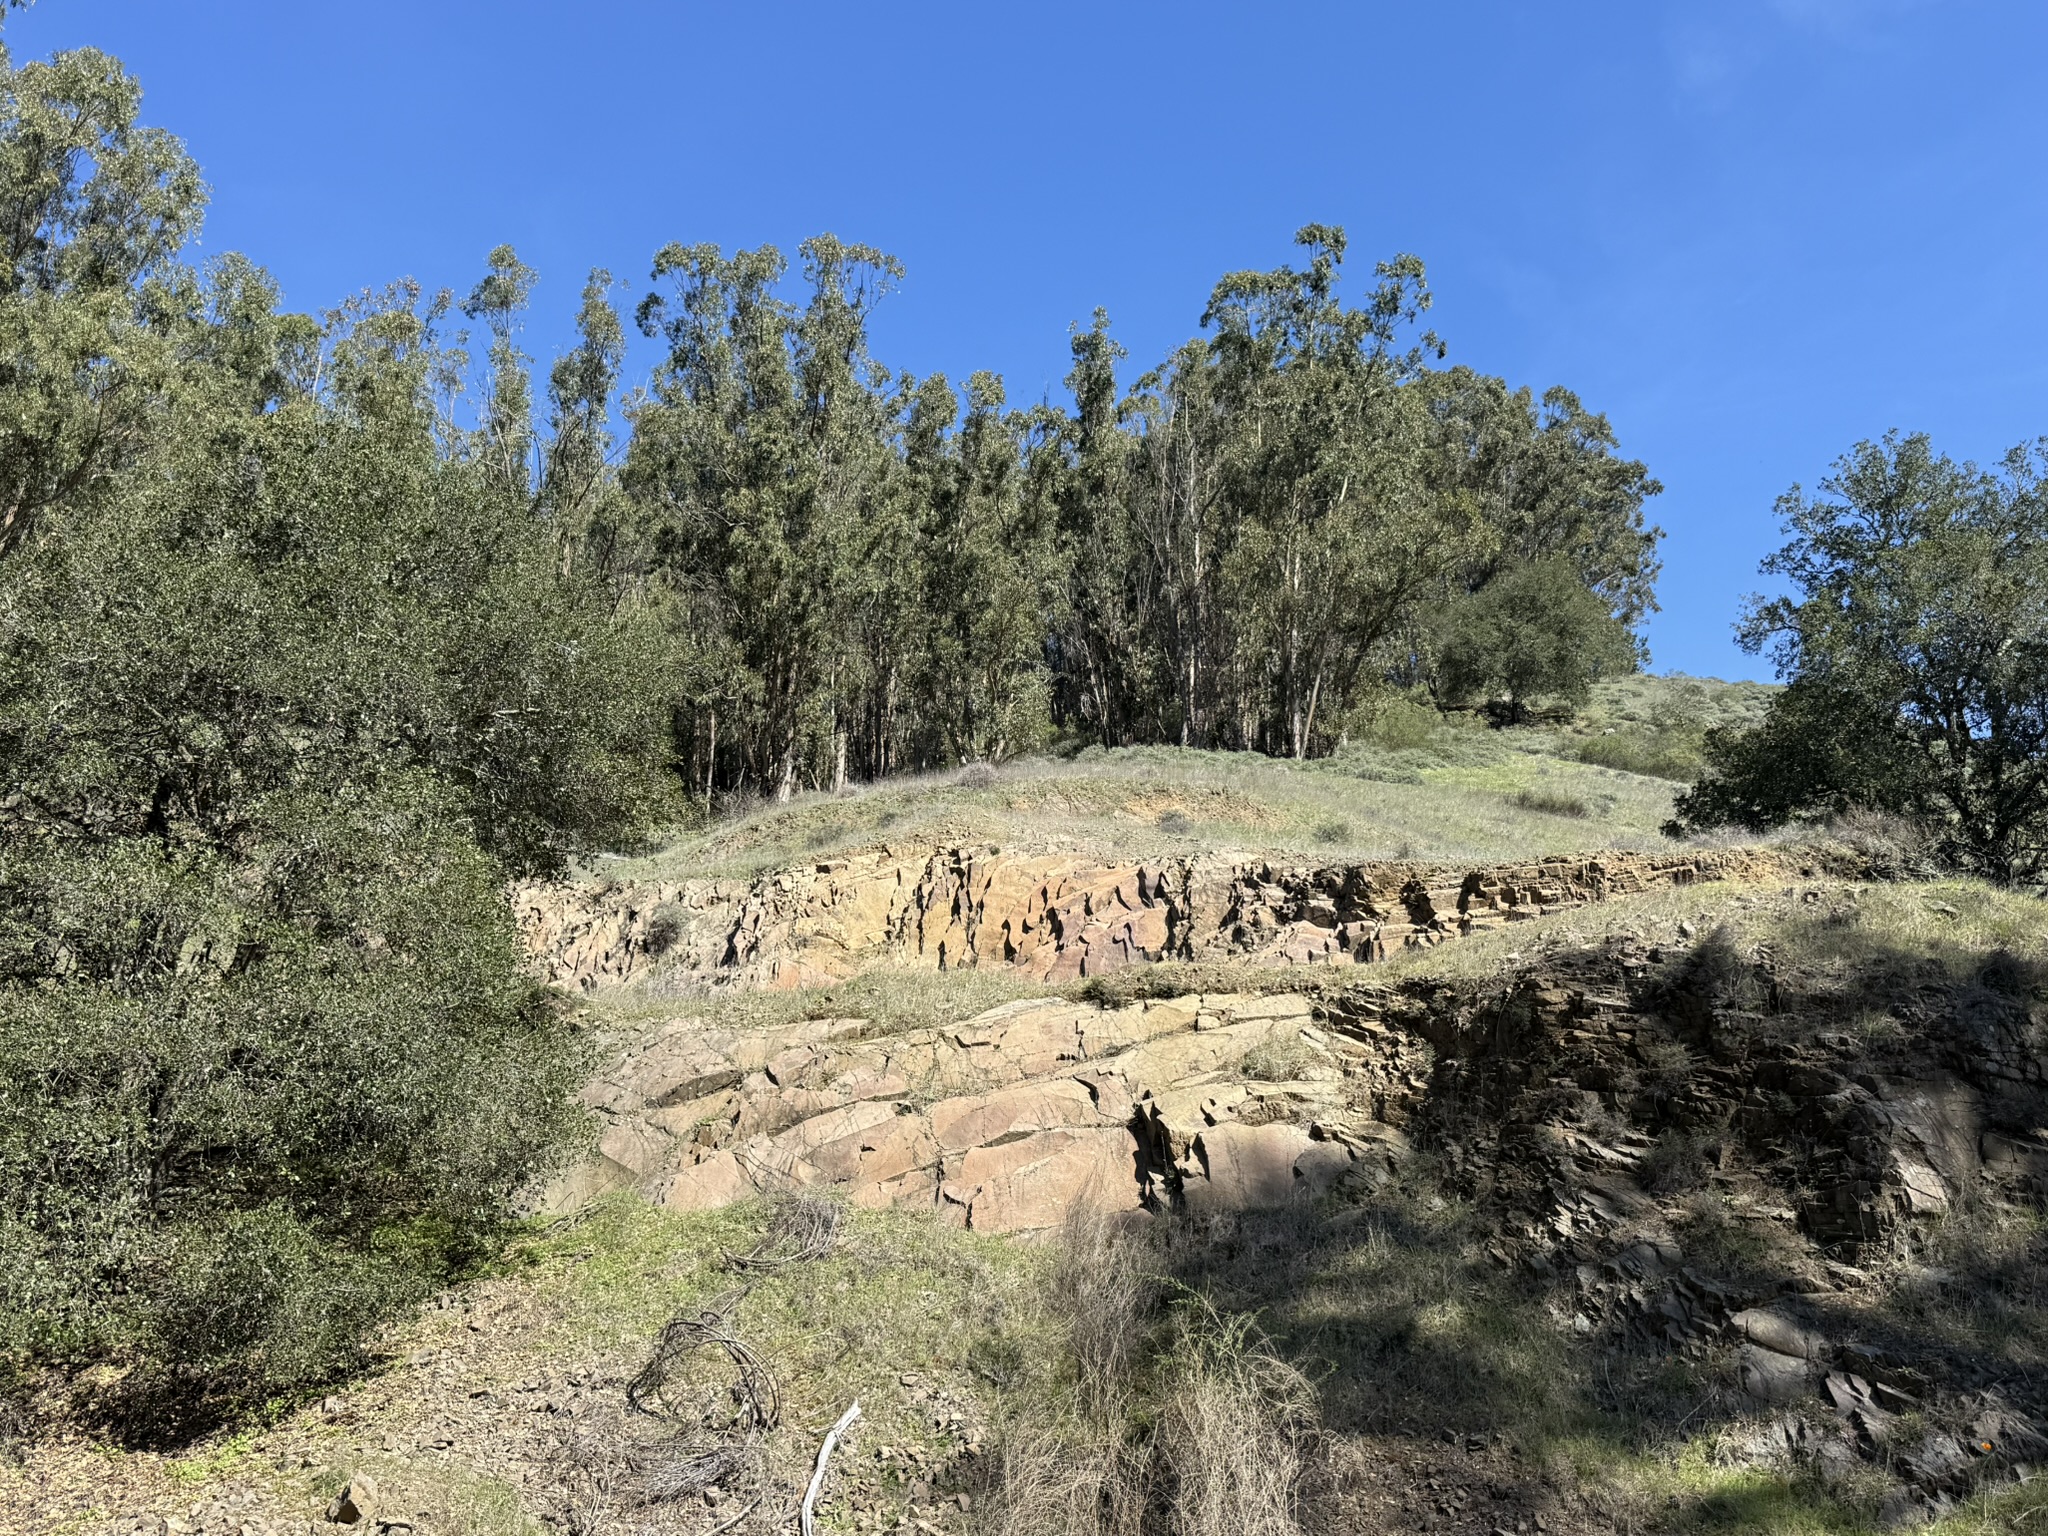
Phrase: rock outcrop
{"type": "Point", "coordinates": [1058, 917]}
{"type": "Point", "coordinates": [1004, 1122]}
{"type": "Point", "coordinates": [1562, 1102]}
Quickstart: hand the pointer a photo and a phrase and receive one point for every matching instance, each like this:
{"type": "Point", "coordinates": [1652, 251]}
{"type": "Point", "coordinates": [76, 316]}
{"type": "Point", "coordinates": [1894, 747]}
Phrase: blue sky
{"type": "Point", "coordinates": [1750, 231]}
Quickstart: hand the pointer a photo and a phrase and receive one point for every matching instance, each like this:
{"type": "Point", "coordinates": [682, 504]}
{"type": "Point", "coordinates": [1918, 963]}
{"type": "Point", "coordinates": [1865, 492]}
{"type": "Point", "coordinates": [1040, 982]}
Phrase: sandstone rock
{"type": "Point", "coordinates": [1770, 1377]}
{"type": "Point", "coordinates": [356, 1503]}
{"type": "Point", "coordinates": [1056, 916]}
{"type": "Point", "coordinates": [1030, 1184]}
{"type": "Point", "coordinates": [1008, 1113]}
{"type": "Point", "coordinates": [717, 1181]}
{"type": "Point", "coordinates": [1774, 1331]}
{"type": "Point", "coordinates": [1237, 1168]}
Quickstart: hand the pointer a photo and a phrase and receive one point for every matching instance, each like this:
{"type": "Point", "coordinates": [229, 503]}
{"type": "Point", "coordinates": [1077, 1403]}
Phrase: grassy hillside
{"type": "Point", "coordinates": [1415, 786]}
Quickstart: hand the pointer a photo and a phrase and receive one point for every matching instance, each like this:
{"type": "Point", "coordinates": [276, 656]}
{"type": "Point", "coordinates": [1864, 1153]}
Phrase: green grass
{"type": "Point", "coordinates": [1656, 726]}
{"type": "Point", "coordinates": [902, 1292]}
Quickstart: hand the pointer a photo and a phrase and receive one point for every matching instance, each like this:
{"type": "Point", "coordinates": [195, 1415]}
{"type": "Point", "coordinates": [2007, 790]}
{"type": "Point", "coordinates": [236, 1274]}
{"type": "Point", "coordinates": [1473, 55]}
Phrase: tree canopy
{"type": "Point", "coordinates": [1915, 641]}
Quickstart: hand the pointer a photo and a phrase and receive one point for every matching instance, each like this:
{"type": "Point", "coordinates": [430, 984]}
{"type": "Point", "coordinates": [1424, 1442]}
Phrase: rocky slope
{"type": "Point", "coordinates": [1736, 1183]}
{"type": "Point", "coordinates": [1058, 917]}
{"type": "Point", "coordinates": [1605, 1109]}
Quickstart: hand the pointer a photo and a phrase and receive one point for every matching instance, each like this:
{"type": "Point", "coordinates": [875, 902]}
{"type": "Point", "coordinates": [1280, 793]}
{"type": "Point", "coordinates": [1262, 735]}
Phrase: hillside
{"type": "Point", "coordinates": [1415, 786]}
{"type": "Point", "coordinates": [1411, 1140]}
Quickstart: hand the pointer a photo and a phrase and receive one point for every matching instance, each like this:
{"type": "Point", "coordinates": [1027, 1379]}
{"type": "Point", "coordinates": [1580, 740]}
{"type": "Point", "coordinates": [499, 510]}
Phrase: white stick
{"type": "Point", "coordinates": [825, 1455]}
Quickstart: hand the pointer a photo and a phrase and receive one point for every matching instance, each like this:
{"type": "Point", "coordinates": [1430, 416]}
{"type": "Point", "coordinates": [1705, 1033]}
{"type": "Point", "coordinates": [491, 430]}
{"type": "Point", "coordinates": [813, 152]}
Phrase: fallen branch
{"type": "Point", "coordinates": [824, 1455]}
{"type": "Point", "coordinates": [727, 1525]}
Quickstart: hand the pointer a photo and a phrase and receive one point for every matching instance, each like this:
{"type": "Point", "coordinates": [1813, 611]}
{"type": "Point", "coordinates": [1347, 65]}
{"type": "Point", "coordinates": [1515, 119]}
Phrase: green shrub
{"type": "Point", "coordinates": [1552, 802]}
{"type": "Point", "coordinates": [291, 683]}
{"type": "Point", "coordinates": [1401, 723]}
{"type": "Point", "coordinates": [1657, 754]}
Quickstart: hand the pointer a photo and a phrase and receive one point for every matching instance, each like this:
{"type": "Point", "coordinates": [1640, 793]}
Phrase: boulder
{"type": "Point", "coordinates": [356, 1504]}
{"type": "Point", "coordinates": [1240, 1167]}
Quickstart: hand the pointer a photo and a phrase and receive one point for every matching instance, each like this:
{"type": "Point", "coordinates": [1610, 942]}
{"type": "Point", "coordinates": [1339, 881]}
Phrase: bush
{"type": "Point", "coordinates": [261, 1299]}
{"type": "Point", "coordinates": [1399, 723]}
{"type": "Point", "coordinates": [286, 697]}
{"type": "Point", "coordinates": [1552, 802]}
{"type": "Point", "coordinates": [1654, 753]}
{"type": "Point", "coordinates": [1821, 751]}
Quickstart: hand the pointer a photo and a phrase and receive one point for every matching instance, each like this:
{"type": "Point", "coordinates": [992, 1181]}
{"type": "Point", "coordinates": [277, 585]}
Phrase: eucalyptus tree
{"type": "Point", "coordinates": [505, 433]}
{"type": "Point", "coordinates": [1339, 533]}
{"type": "Point", "coordinates": [993, 573]}
{"type": "Point", "coordinates": [1546, 479]}
{"type": "Point", "coordinates": [1102, 660]}
{"type": "Point", "coordinates": [762, 451]}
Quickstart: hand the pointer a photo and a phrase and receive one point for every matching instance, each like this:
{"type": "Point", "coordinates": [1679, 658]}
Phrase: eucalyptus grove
{"type": "Point", "coordinates": [1290, 515]}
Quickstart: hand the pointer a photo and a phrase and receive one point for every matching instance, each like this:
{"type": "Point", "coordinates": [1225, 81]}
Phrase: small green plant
{"type": "Point", "coordinates": [1333, 832]}
{"type": "Point", "coordinates": [1176, 824]}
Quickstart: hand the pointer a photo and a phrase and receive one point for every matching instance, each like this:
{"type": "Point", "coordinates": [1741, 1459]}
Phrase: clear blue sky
{"type": "Point", "coordinates": [1750, 231]}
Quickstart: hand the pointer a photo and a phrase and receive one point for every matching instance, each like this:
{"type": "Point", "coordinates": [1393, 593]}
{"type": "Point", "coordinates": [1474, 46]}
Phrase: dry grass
{"type": "Point", "coordinates": [1454, 798]}
{"type": "Point", "coordinates": [889, 999]}
{"type": "Point", "coordinates": [1233, 1424]}
{"type": "Point", "coordinates": [1180, 1420]}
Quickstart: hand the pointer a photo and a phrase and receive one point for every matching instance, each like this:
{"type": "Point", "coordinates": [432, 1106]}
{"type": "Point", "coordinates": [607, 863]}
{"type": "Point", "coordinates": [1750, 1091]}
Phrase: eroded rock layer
{"type": "Point", "coordinates": [1057, 917]}
{"type": "Point", "coordinates": [1004, 1122]}
{"type": "Point", "coordinates": [1602, 1110]}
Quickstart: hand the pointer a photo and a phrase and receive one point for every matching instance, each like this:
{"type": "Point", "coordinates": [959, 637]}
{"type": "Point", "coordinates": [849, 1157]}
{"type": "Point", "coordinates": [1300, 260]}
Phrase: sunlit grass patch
{"type": "Point", "coordinates": [1447, 798]}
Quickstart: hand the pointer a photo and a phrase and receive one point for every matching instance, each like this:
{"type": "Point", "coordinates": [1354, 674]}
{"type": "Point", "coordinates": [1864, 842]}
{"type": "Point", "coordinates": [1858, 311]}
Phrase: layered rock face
{"type": "Point", "coordinates": [1625, 1103]}
{"type": "Point", "coordinates": [1563, 1103]}
{"type": "Point", "coordinates": [1057, 917]}
{"type": "Point", "coordinates": [1006, 1121]}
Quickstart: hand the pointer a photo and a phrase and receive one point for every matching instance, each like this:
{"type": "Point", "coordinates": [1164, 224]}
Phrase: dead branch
{"type": "Point", "coordinates": [803, 1227]}
{"type": "Point", "coordinates": [698, 1465]}
{"type": "Point", "coordinates": [818, 1473]}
